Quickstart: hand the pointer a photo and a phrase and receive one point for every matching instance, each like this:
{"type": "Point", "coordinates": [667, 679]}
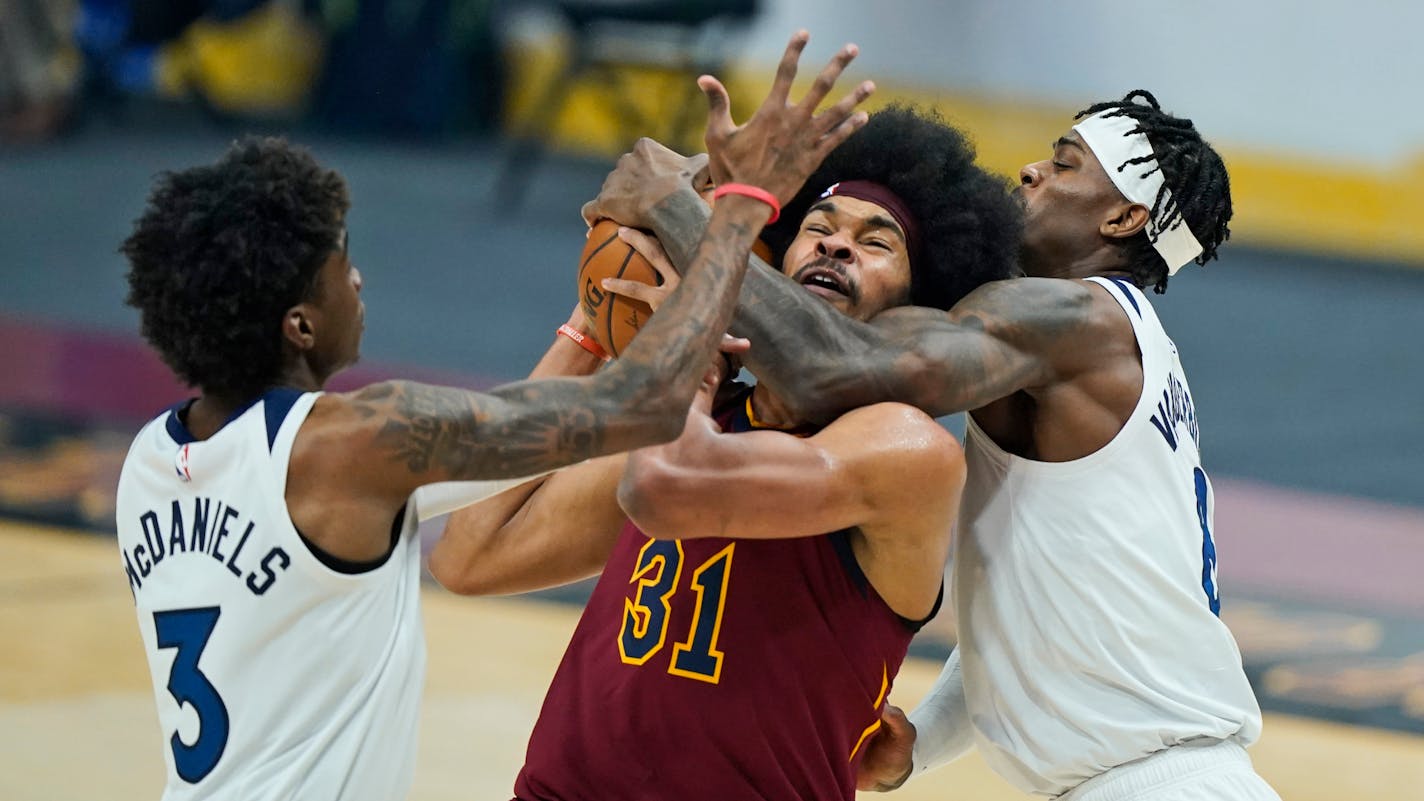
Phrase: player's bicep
{"type": "Point", "coordinates": [760, 484]}
{"type": "Point", "coordinates": [770, 485]}
{"type": "Point", "coordinates": [1004, 337]}
{"type": "Point", "coordinates": [396, 436]}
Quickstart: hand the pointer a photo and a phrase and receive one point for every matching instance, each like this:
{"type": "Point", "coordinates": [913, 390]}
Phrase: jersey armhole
{"type": "Point", "coordinates": [840, 540]}
{"type": "Point", "coordinates": [350, 567]}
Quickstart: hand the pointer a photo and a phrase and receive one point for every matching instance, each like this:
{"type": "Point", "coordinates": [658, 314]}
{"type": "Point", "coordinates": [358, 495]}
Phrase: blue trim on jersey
{"type": "Point", "coordinates": [174, 424]}
{"type": "Point", "coordinates": [276, 403]}
{"type": "Point", "coordinates": [1124, 286]}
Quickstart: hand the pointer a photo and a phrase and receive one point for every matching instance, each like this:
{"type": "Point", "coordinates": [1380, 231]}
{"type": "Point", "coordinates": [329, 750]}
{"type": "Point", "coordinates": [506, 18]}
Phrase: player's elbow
{"type": "Point", "coordinates": [463, 569]}
{"type": "Point", "coordinates": [647, 495]}
{"type": "Point", "coordinates": [453, 574]}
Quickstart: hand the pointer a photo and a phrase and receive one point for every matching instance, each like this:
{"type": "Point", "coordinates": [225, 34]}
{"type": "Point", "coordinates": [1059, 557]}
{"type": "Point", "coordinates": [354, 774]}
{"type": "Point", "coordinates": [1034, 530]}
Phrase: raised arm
{"type": "Point", "coordinates": [391, 438]}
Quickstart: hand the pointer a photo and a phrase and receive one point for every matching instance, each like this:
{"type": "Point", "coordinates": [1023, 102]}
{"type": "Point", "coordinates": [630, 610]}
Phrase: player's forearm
{"type": "Point", "coordinates": [465, 558]}
{"type": "Point", "coordinates": [529, 427]}
{"type": "Point", "coordinates": [680, 490]}
{"type": "Point", "coordinates": [661, 368]}
{"type": "Point", "coordinates": [821, 362]}
{"type": "Point", "coordinates": [566, 357]}
{"type": "Point", "coordinates": [943, 730]}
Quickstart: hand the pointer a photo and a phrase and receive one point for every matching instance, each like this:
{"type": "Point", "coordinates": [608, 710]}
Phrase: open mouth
{"type": "Point", "coordinates": [826, 283]}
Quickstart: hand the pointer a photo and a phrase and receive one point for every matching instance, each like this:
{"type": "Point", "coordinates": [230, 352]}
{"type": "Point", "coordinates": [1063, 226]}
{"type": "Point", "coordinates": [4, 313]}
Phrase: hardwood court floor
{"type": "Point", "coordinates": [77, 722]}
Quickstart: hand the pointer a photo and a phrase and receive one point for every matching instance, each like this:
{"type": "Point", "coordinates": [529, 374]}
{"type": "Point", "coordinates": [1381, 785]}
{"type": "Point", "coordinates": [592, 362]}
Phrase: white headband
{"type": "Point", "coordinates": [1111, 140]}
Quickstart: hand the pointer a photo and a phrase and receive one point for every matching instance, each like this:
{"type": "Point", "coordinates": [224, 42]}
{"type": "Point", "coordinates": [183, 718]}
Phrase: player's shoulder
{"type": "Point", "coordinates": [887, 415]}
{"type": "Point", "coordinates": [900, 436]}
{"type": "Point", "coordinates": [1048, 301]}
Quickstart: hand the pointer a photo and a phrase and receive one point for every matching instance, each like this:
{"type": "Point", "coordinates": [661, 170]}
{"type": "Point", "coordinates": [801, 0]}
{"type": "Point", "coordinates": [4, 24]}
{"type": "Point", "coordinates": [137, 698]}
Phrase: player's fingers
{"type": "Point", "coordinates": [894, 718]}
{"type": "Point", "coordinates": [719, 109]}
{"type": "Point", "coordinates": [731, 344]}
{"type": "Point", "coordinates": [637, 290]}
{"type": "Point", "coordinates": [840, 133]}
{"type": "Point", "coordinates": [845, 107]}
{"type": "Point", "coordinates": [649, 248]}
{"type": "Point", "coordinates": [786, 70]}
{"type": "Point", "coordinates": [590, 213]}
{"type": "Point", "coordinates": [826, 79]}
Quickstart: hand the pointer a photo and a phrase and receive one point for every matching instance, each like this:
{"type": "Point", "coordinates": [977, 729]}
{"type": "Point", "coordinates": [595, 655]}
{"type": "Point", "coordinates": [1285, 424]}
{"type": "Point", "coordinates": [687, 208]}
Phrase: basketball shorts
{"type": "Point", "coordinates": [1206, 770]}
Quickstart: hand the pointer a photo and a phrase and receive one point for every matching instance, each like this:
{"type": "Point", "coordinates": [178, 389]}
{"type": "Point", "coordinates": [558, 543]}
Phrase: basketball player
{"type": "Point", "coordinates": [267, 529]}
{"type": "Point", "coordinates": [1091, 662]}
{"type": "Point", "coordinates": [745, 650]}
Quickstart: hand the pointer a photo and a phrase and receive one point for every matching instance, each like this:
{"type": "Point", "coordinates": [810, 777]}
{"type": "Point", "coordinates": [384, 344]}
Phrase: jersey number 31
{"type": "Point", "coordinates": [645, 616]}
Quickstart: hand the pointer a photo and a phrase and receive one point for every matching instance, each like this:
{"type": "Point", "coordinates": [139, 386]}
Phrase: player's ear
{"type": "Point", "coordinates": [1125, 221]}
{"type": "Point", "coordinates": [299, 327]}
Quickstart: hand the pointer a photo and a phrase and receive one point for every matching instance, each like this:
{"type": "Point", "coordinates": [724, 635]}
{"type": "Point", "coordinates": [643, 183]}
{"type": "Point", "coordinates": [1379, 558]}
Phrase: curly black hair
{"type": "Point", "coordinates": [222, 251]}
{"type": "Point", "coordinates": [970, 226]}
{"type": "Point", "coordinates": [1191, 170]}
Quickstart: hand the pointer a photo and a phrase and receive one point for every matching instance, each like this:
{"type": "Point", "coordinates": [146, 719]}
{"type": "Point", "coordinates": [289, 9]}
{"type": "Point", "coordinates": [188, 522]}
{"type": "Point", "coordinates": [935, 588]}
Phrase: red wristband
{"type": "Point", "coordinates": [753, 192]}
{"type": "Point", "coordinates": [584, 341]}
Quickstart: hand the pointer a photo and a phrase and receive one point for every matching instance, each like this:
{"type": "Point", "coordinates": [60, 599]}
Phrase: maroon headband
{"type": "Point", "coordinates": [880, 195]}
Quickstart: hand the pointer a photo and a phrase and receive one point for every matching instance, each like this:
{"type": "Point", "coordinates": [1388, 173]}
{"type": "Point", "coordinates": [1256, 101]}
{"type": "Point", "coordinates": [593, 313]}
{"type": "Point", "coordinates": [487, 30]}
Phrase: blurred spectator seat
{"type": "Point", "coordinates": [235, 58]}
{"type": "Point", "coordinates": [681, 38]}
{"type": "Point", "coordinates": [39, 69]}
{"type": "Point", "coordinates": [409, 68]}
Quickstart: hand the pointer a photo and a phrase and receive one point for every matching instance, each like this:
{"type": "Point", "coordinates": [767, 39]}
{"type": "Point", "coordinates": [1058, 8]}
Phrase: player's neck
{"type": "Point", "coordinates": [301, 375]}
{"type": "Point", "coordinates": [207, 414]}
{"type": "Point", "coordinates": [1104, 261]}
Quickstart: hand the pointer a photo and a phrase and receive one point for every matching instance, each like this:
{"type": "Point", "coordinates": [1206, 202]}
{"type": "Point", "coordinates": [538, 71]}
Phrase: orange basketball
{"type": "Point", "coordinates": [615, 319]}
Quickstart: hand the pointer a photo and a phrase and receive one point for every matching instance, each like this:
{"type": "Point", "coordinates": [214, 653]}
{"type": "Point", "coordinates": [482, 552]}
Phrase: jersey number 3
{"type": "Point", "coordinates": [188, 630]}
{"type": "Point", "coordinates": [645, 616]}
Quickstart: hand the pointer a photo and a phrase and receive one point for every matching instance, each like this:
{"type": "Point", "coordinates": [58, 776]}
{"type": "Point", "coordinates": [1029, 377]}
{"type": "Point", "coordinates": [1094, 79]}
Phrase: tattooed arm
{"type": "Point", "coordinates": [1004, 337]}
{"type": "Point", "coordinates": [359, 456]}
{"type": "Point", "coordinates": [553, 530]}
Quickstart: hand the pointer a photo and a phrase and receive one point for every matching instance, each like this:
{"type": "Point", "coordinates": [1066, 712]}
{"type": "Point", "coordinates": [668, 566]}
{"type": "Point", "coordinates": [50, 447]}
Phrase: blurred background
{"type": "Point", "coordinates": [470, 132]}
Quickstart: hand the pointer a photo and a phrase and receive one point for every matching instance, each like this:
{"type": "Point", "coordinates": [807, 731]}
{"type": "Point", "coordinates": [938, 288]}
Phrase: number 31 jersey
{"type": "Point", "coordinates": [278, 674]}
{"type": "Point", "coordinates": [1085, 592]}
{"type": "Point", "coordinates": [718, 669]}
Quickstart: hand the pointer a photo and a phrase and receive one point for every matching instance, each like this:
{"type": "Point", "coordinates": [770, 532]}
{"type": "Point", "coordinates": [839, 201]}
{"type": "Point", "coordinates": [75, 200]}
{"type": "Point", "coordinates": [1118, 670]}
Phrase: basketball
{"type": "Point", "coordinates": [615, 319]}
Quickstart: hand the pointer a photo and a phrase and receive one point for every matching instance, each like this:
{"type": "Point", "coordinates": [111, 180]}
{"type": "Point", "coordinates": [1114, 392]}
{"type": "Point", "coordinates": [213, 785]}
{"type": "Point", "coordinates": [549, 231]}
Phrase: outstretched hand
{"type": "Point", "coordinates": [783, 142]}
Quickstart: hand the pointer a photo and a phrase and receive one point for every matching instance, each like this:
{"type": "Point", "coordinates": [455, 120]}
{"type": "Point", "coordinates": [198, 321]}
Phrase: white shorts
{"type": "Point", "coordinates": [1204, 770]}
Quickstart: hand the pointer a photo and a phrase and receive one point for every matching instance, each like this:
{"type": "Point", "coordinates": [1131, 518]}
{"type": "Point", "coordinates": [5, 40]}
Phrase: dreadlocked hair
{"type": "Point", "coordinates": [970, 226]}
{"type": "Point", "coordinates": [1191, 171]}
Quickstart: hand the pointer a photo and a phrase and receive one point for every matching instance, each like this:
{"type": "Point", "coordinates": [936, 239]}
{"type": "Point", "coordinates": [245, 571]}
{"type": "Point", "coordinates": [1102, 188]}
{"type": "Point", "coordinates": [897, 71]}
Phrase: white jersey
{"type": "Point", "coordinates": [276, 675]}
{"type": "Point", "coordinates": [1086, 593]}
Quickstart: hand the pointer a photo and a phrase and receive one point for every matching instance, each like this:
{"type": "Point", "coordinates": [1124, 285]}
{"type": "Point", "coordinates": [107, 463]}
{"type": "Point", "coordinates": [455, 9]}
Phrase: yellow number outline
{"type": "Point", "coordinates": [641, 612]}
{"type": "Point", "coordinates": [686, 647]}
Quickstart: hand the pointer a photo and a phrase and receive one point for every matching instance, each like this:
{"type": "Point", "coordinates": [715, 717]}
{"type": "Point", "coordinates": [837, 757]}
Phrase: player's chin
{"type": "Point", "coordinates": [836, 300]}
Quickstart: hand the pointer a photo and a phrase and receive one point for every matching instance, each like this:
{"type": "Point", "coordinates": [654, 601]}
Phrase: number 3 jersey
{"type": "Point", "coordinates": [1085, 592]}
{"type": "Point", "coordinates": [716, 669]}
{"type": "Point", "coordinates": [277, 675]}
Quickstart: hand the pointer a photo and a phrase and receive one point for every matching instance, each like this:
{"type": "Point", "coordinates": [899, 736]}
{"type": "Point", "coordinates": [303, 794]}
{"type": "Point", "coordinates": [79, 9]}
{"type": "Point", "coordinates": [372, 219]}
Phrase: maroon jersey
{"type": "Point", "coordinates": [718, 669]}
